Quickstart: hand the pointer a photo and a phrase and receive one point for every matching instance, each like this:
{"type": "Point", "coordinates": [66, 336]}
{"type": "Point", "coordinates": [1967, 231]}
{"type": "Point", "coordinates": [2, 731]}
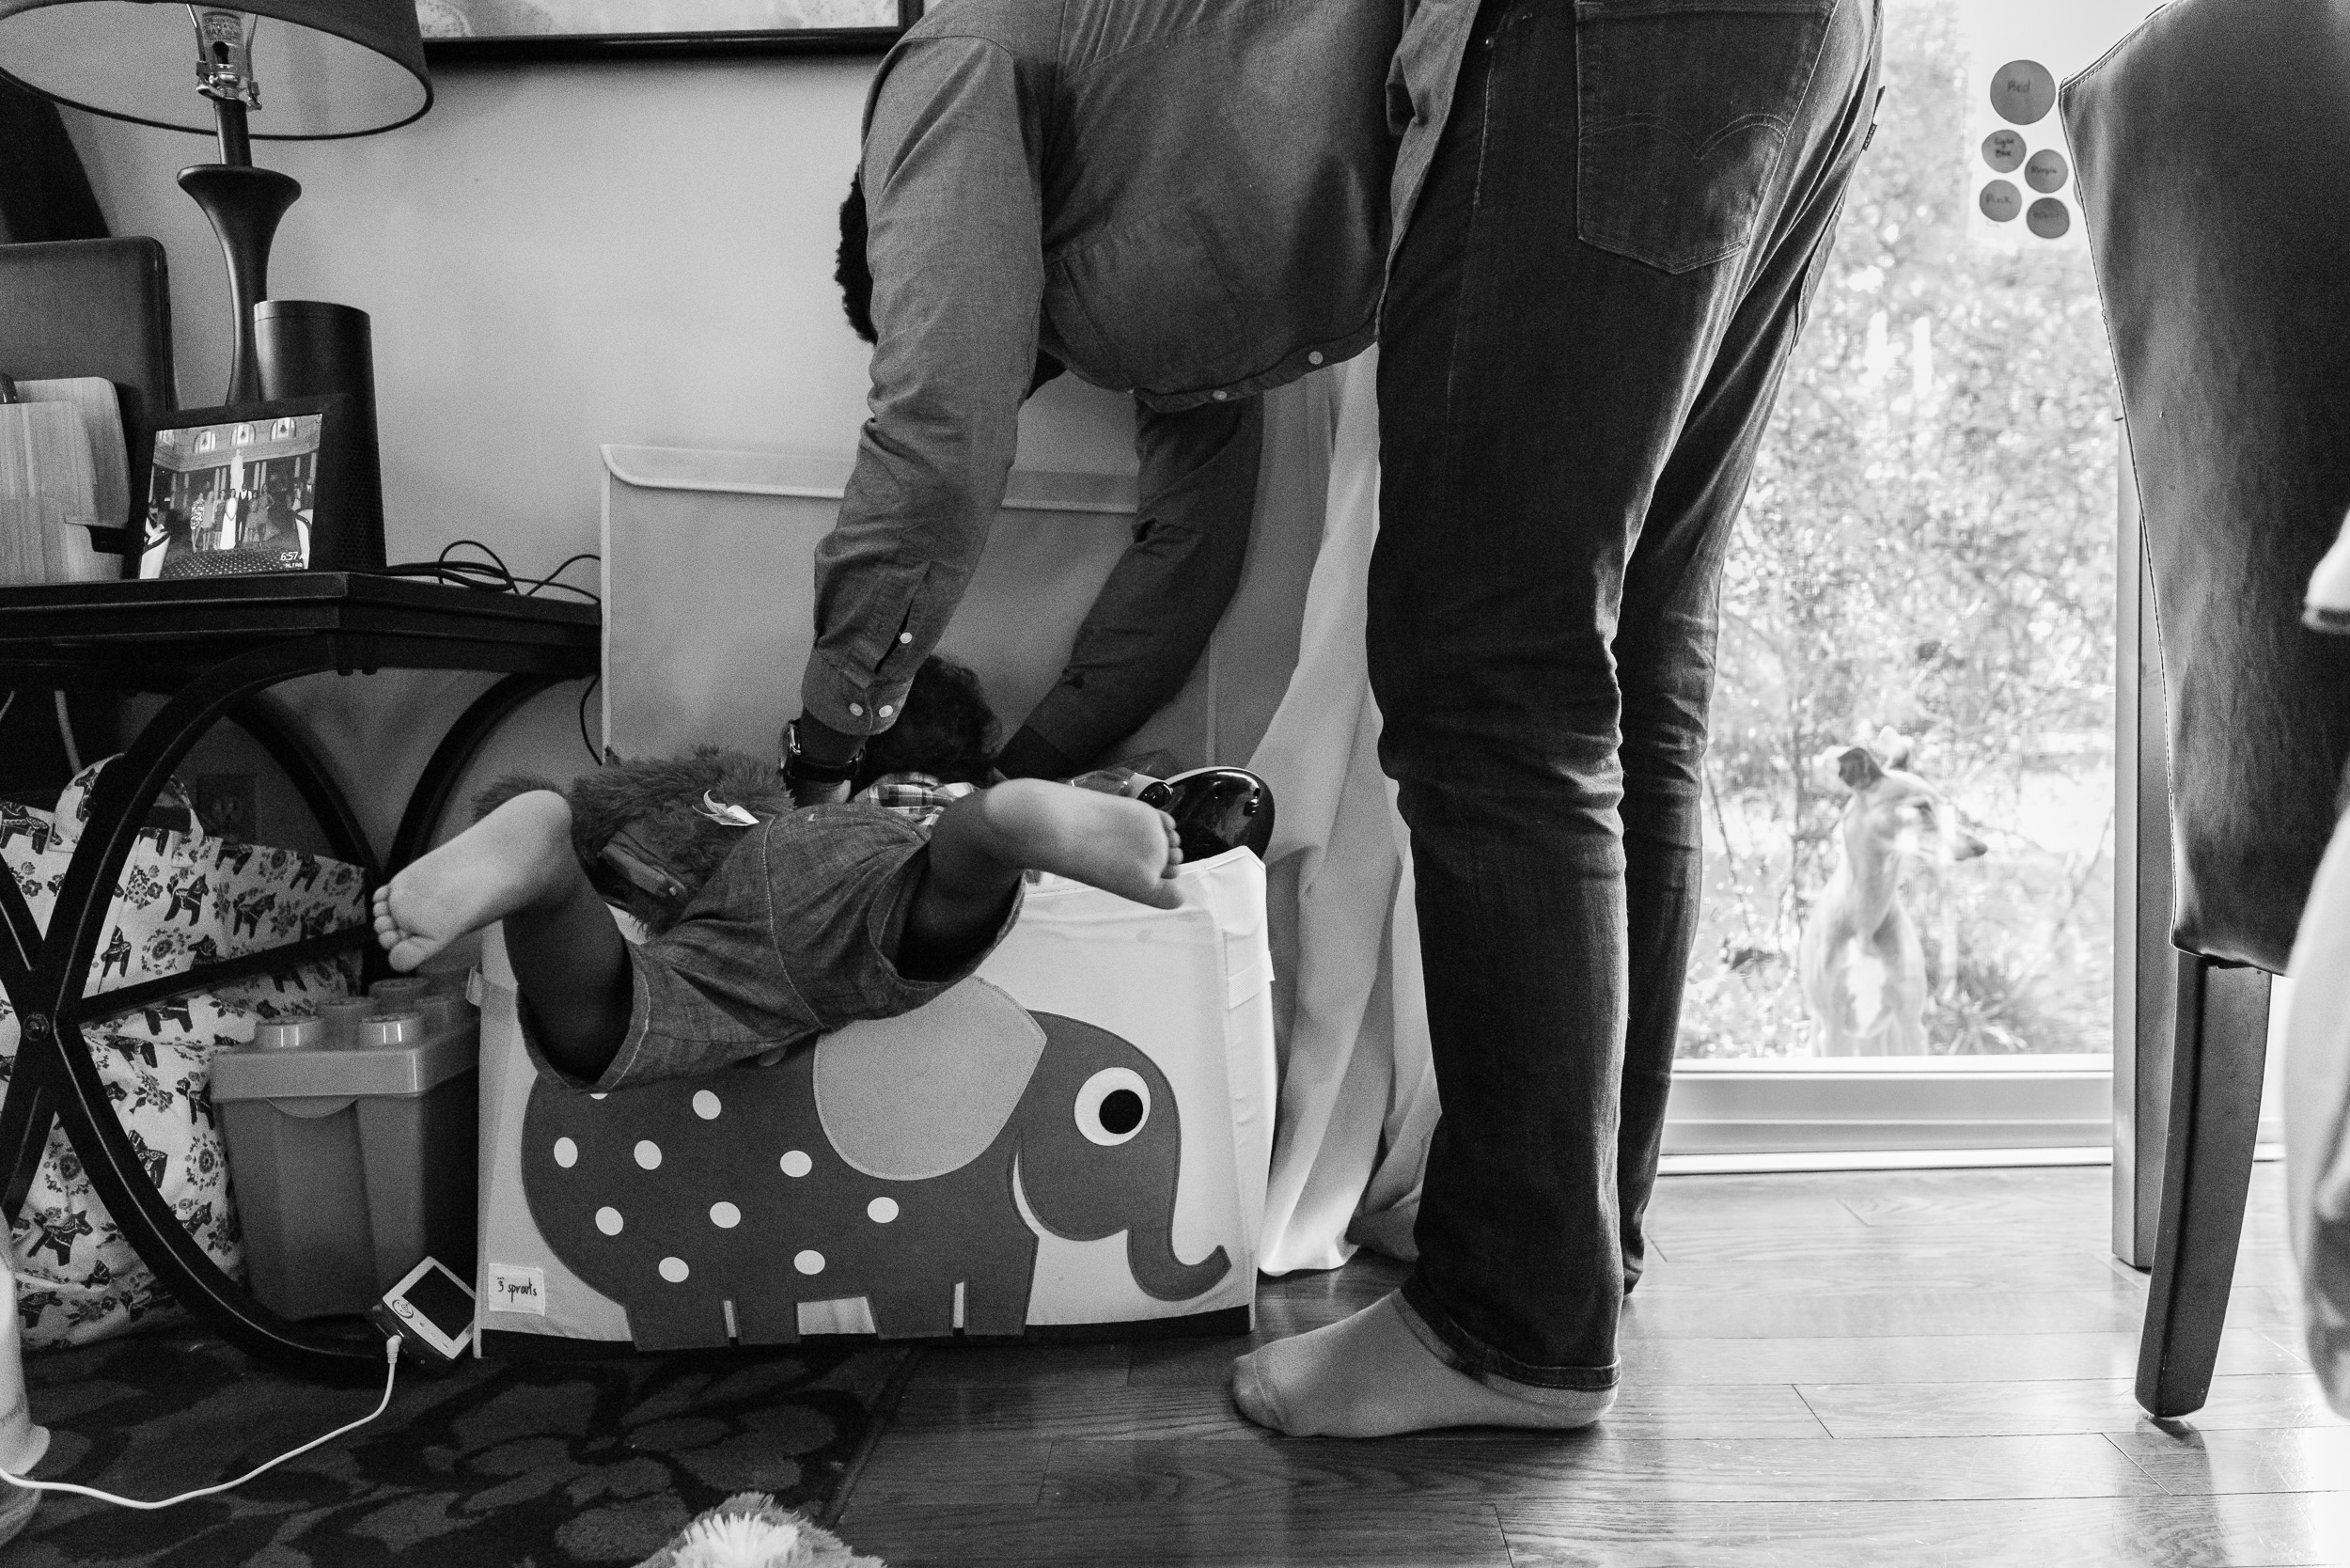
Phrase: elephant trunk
{"type": "Point", "coordinates": [1150, 1256]}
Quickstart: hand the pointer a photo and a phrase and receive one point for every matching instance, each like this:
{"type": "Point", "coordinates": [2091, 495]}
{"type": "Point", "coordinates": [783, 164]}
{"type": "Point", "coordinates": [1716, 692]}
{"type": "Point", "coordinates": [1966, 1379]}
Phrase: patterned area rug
{"type": "Point", "coordinates": [499, 1465]}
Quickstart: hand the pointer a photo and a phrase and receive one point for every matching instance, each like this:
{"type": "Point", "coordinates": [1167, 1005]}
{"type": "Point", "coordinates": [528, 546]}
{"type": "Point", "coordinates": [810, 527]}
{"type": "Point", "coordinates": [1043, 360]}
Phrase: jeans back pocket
{"type": "Point", "coordinates": [1683, 111]}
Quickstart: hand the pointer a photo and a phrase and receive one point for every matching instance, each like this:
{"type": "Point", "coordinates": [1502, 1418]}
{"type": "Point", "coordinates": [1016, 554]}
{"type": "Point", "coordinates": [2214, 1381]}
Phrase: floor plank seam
{"type": "Point", "coordinates": [2116, 1445]}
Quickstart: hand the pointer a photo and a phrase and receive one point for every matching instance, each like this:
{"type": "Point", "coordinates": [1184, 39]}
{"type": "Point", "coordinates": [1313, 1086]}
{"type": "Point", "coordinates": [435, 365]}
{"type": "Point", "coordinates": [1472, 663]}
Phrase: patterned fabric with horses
{"type": "Point", "coordinates": [183, 899]}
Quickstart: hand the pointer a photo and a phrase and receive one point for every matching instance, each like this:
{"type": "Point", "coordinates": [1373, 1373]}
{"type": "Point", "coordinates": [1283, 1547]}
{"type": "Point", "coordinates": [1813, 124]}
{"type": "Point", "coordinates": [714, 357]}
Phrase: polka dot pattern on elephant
{"type": "Point", "coordinates": [608, 1220]}
{"type": "Point", "coordinates": [648, 1154]}
{"type": "Point", "coordinates": [725, 1216]}
{"type": "Point", "coordinates": [566, 1152]}
{"type": "Point", "coordinates": [809, 1262]}
{"type": "Point", "coordinates": [674, 1270]}
{"type": "Point", "coordinates": [796, 1164]}
{"type": "Point", "coordinates": [881, 1211]}
{"type": "Point", "coordinates": [706, 1104]}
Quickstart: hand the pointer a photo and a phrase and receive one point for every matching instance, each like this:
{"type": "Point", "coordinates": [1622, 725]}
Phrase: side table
{"type": "Point", "coordinates": [209, 646]}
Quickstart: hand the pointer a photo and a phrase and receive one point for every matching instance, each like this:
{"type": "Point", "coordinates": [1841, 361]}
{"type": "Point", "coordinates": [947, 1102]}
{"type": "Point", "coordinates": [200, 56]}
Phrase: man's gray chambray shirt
{"type": "Point", "coordinates": [1182, 199]}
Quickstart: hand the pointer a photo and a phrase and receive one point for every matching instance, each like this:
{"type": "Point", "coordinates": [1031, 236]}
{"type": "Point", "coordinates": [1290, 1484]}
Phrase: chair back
{"type": "Point", "coordinates": [94, 308]}
{"type": "Point", "coordinates": [2213, 147]}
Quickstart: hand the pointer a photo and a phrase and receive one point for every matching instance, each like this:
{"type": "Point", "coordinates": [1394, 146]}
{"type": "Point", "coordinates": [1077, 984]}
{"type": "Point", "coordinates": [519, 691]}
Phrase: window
{"type": "Point", "coordinates": [1922, 586]}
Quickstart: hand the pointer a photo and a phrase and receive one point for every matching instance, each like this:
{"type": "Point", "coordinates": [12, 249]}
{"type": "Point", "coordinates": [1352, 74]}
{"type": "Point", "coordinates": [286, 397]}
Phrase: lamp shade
{"type": "Point", "coordinates": [327, 68]}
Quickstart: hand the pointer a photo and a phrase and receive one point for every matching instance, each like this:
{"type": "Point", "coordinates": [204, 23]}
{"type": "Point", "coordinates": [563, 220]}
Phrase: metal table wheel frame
{"type": "Point", "coordinates": [44, 976]}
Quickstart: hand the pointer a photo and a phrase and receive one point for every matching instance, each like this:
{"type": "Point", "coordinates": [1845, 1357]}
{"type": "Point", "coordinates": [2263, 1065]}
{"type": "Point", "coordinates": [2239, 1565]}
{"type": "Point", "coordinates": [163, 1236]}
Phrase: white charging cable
{"type": "Point", "coordinates": [391, 1371]}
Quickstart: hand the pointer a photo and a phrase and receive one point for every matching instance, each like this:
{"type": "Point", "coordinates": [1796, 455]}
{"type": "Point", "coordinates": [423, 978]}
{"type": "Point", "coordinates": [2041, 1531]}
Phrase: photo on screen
{"type": "Point", "coordinates": [233, 497]}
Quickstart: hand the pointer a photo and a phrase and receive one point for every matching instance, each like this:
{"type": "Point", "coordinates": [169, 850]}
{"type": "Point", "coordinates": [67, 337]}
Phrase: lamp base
{"type": "Point", "coordinates": [245, 204]}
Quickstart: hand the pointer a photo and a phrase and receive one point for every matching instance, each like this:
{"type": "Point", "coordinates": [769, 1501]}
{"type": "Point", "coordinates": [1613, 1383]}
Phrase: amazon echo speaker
{"type": "Point", "coordinates": [308, 348]}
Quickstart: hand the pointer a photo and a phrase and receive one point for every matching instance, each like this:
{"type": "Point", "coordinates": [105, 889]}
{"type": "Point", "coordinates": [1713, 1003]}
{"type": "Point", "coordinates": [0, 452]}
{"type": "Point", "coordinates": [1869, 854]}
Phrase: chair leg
{"type": "Point", "coordinates": [2219, 1050]}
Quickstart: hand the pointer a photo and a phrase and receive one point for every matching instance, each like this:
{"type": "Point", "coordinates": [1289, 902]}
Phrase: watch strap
{"type": "Point", "coordinates": [800, 768]}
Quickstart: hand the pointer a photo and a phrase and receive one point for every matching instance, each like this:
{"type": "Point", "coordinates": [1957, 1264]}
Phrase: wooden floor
{"type": "Point", "coordinates": [1921, 1368]}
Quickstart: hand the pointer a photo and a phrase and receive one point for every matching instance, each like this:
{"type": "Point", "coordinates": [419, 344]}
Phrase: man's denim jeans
{"type": "Point", "coordinates": [1584, 327]}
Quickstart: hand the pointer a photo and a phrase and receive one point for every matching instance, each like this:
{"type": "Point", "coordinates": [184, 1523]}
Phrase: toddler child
{"type": "Point", "coordinates": [820, 916]}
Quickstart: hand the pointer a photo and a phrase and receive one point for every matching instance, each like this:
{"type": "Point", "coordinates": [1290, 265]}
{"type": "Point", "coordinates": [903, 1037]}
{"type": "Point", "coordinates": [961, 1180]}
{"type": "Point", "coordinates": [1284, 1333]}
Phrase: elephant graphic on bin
{"type": "Point", "coordinates": [907, 1161]}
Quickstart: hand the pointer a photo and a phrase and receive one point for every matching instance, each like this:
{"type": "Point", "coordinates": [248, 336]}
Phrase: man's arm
{"type": "Point", "coordinates": [1155, 615]}
{"type": "Point", "coordinates": [954, 243]}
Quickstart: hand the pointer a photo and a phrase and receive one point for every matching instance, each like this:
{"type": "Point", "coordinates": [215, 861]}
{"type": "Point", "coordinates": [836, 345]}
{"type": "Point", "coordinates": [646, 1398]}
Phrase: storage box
{"type": "Point", "coordinates": [1075, 1140]}
{"type": "Point", "coordinates": [734, 535]}
{"type": "Point", "coordinates": [351, 1159]}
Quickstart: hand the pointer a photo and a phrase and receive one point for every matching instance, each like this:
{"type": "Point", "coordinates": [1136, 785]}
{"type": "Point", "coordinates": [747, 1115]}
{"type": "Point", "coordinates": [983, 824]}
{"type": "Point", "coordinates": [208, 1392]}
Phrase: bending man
{"type": "Point", "coordinates": [1184, 202]}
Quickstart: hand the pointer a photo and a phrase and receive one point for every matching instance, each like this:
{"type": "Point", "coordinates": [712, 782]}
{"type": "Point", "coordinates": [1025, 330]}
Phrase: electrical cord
{"type": "Point", "coordinates": [593, 681]}
{"type": "Point", "coordinates": [493, 575]}
{"type": "Point", "coordinates": [391, 1373]}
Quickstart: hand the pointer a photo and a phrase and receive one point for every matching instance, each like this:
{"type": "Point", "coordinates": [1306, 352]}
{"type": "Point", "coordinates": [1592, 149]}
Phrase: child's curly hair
{"type": "Point", "coordinates": [947, 731]}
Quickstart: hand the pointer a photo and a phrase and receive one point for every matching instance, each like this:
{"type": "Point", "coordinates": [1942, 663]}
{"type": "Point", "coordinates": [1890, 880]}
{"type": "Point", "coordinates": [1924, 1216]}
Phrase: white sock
{"type": "Point", "coordinates": [1373, 1375]}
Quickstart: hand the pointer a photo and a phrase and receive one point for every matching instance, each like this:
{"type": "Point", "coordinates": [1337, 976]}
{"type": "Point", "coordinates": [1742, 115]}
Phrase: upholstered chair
{"type": "Point", "coordinates": [2213, 147]}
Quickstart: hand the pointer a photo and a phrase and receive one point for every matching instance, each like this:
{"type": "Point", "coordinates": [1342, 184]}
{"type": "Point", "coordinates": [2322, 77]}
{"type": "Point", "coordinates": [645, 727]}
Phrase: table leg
{"type": "Point", "coordinates": [26, 1113]}
{"type": "Point", "coordinates": [51, 1006]}
{"type": "Point", "coordinates": [345, 837]}
{"type": "Point", "coordinates": [429, 800]}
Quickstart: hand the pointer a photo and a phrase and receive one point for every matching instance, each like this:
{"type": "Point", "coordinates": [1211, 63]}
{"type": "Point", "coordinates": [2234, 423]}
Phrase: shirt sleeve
{"type": "Point", "coordinates": [954, 242]}
{"type": "Point", "coordinates": [1151, 619]}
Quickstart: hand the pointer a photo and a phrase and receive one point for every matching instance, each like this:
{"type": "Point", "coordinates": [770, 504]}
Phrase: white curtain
{"type": "Point", "coordinates": [1359, 1097]}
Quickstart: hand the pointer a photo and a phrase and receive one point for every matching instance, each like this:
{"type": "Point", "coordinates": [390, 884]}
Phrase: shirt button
{"type": "Point", "coordinates": [886, 710]}
{"type": "Point", "coordinates": [1219, 397]}
{"type": "Point", "coordinates": [905, 636]}
{"type": "Point", "coordinates": [1314, 358]}
{"type": "Point", "coordinates": [856, 709]}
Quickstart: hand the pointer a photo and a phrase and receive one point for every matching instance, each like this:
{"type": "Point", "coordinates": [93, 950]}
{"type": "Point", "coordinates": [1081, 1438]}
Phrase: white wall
{"type": "Point", "coordinates": [556, 257]}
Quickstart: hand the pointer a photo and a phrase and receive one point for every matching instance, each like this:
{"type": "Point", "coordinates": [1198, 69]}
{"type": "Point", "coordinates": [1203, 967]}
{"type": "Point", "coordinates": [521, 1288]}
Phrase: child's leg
{"type": "Point", "coordinates": [985, 842]}
{"type": "Point", "coordinates": [516, 865]}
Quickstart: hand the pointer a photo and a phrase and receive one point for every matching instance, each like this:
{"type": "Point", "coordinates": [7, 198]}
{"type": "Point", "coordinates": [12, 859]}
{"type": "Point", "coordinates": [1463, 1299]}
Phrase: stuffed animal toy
{"type": "Point", "coordinates": [748, 1531]}
{"type": "Point", "coordinates": [650, 831]}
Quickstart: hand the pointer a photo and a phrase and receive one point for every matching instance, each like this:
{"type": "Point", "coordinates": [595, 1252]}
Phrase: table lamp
{"type": "Point", "coordinates": [333, 69]}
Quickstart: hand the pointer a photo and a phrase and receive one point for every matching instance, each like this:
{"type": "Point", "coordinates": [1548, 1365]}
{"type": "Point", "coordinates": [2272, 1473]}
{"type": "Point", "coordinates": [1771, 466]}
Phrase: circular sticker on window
{"type": "Point", "coordinates": [2023, 92]}
{"type": "Point", "coordinates": [2004, 150]}
{"type": "Point", "coordinates": [2001, 201]}
{"type": "Point", "coordinates": [2048, 218]}
{"type": "Point", "coordinates": [2046, 171]}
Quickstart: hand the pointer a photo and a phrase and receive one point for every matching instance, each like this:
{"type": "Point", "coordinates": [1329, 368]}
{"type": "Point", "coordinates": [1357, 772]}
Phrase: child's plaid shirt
{"type": "Point", "coordinates": [919, 798]}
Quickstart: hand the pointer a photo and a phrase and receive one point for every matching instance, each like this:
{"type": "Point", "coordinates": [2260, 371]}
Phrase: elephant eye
{"type": "Point", "coordinates": [1113, 1106]}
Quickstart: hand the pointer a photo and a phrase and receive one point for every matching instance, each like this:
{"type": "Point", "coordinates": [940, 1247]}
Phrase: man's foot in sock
{"type": "Point", "coordinates": [1371, 1376]}
{"type": "Point", "coordinates": [516, 857]}
{"type": "Point", "coordinates": [1105, 841]}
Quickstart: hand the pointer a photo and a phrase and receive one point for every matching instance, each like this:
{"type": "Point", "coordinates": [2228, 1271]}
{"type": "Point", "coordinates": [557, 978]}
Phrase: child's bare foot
{"type": "Point", "coordinates": [1121, 846]}
{"type": "Point", "coordinates": [517, 856]}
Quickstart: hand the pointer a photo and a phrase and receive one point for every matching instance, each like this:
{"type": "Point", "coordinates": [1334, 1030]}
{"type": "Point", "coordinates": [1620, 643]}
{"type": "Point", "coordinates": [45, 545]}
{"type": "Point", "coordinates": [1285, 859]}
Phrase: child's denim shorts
{"type": "Point", "coordinates": [791, 939]}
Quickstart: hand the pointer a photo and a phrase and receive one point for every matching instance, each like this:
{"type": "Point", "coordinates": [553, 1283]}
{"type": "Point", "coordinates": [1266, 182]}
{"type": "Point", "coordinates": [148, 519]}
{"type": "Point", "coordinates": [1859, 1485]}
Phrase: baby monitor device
{"type": "Point", "coordinates": [431, 1309]}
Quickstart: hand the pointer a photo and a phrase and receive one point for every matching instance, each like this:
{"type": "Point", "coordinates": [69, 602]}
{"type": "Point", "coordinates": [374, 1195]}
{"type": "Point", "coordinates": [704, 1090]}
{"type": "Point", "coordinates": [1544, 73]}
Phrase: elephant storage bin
{"type": "Point", "coordinates": [1074, 1140]}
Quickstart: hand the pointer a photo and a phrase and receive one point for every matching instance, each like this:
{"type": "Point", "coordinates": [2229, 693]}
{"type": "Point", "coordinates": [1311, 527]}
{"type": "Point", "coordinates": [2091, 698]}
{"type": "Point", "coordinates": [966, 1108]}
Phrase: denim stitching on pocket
{"type": "Point", "coordinates": [1660, 176]}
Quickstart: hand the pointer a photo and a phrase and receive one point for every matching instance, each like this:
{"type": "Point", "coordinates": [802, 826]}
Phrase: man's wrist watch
{"type": "Point", "coordinates": [800, 768]}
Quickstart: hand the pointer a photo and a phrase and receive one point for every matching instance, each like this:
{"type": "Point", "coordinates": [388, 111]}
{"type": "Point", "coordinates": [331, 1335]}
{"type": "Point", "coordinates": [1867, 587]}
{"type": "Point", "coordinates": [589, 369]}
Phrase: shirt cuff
{"type": "Point", "coordinates": [851, 704]}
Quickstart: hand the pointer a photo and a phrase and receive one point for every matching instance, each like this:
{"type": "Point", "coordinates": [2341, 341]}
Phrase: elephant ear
{"type": "Point", "coordinates": [925, 1092]}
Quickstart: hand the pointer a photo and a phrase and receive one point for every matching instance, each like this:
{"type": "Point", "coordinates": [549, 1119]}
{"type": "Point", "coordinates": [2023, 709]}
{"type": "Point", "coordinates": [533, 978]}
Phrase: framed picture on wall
{"type": "Point", "coordinates": [458, 30]}
{"type": "Point", "coordinates": [259, 487]}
